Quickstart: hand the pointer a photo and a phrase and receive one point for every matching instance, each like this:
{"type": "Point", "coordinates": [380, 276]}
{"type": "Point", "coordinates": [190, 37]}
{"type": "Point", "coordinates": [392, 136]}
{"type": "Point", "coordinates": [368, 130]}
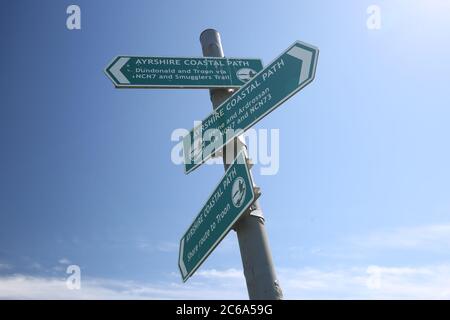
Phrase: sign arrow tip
{"type": "Point", "coordinates": [181, 262]}
{"type": "Point", "coordinates": [115, 70]}
{"type": "Point", "coordinates": [306, 56]}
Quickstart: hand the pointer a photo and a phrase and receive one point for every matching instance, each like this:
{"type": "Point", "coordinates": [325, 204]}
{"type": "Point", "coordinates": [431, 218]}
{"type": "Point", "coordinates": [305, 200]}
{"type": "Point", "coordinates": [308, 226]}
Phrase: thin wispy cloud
{"type": "Point", "coordinates": [358, 282]}
{"type": "Point", "coordinates": [429, 237]}
{"type": "Point", "coordinates": [162, 247]}
{"type": "Point", "coordinates": [433, 239]}
{"type": "Point", "coordinates": [225, 274]}
{"type": "Point", "coordinates": [26, 287]}
{"type": "Point", "coordinates": [5, 266]}
{"type": "Point", "coordinates": [167, 247]}
{"type": "Point", "coordinates": [426, 282]}
{"type": "Point", "coordinates": [371, 282]}
{"type": "Point", "coordinates": [36, 266]}
{"type": "Point", "coordinates": [64, 261]}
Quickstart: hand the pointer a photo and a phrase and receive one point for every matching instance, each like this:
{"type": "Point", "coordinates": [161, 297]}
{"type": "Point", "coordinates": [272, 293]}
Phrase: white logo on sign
{"type": "Point", "coordinates": [238, 192]}
{"type": "Point", "coordinates": [245, 74]}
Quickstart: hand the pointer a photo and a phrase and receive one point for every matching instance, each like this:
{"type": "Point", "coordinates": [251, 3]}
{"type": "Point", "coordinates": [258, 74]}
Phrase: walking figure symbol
{"type": "Point", "coordinates": [238, 192]}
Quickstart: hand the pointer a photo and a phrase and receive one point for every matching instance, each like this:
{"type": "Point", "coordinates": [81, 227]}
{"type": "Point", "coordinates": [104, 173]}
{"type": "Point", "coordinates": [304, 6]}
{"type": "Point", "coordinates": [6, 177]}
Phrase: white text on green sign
{"type": "Point", "coordinates": [229, 200]}
{"type": "Point", "coordinates": [285, 76]}
{"type": "Point", "coordinates": [173, 72]}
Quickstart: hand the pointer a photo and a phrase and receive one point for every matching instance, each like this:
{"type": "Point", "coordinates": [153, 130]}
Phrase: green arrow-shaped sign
{"type": "Point", "coordinates": [286, 75]}
{"type": "Point", "coordinates": [229, 200]}
{"type": "Point", "coordinates": [176, 72]}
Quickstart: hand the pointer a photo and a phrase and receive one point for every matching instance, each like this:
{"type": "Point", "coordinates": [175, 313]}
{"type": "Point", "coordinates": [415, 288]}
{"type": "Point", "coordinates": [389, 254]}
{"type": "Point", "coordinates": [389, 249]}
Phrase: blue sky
{"type": "Point", "coordinates": [86, 176]}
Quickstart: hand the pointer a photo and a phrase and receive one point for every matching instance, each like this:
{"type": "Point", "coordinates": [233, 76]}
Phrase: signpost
{"type": "Point", "coordinates": [233, 203]}
{"type": "Point", "coordinates": [229, 200]}
{"type": "Point", "coordinates": [286, 75]}
{"type": "Point", "coordinates": [174, 72]}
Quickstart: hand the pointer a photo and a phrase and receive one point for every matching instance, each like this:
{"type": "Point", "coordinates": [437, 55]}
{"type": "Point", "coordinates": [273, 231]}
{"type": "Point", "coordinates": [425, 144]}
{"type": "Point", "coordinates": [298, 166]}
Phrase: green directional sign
{"type": "Point", "coordinates": [173, 72]}
{"type": "Point", "coordinates": [229, 200]}
{"type": "Point", "coordinates": [286, 75]}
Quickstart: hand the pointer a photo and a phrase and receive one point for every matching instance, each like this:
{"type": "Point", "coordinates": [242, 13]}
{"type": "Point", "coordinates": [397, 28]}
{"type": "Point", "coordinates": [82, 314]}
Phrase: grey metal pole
{"type": "Point", "coordinates": [259, 272]}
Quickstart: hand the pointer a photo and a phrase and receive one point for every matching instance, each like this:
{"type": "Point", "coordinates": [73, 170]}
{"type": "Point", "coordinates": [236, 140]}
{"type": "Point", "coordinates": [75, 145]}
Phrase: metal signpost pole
{"type": "Point", "coordinates": [259, 272]}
